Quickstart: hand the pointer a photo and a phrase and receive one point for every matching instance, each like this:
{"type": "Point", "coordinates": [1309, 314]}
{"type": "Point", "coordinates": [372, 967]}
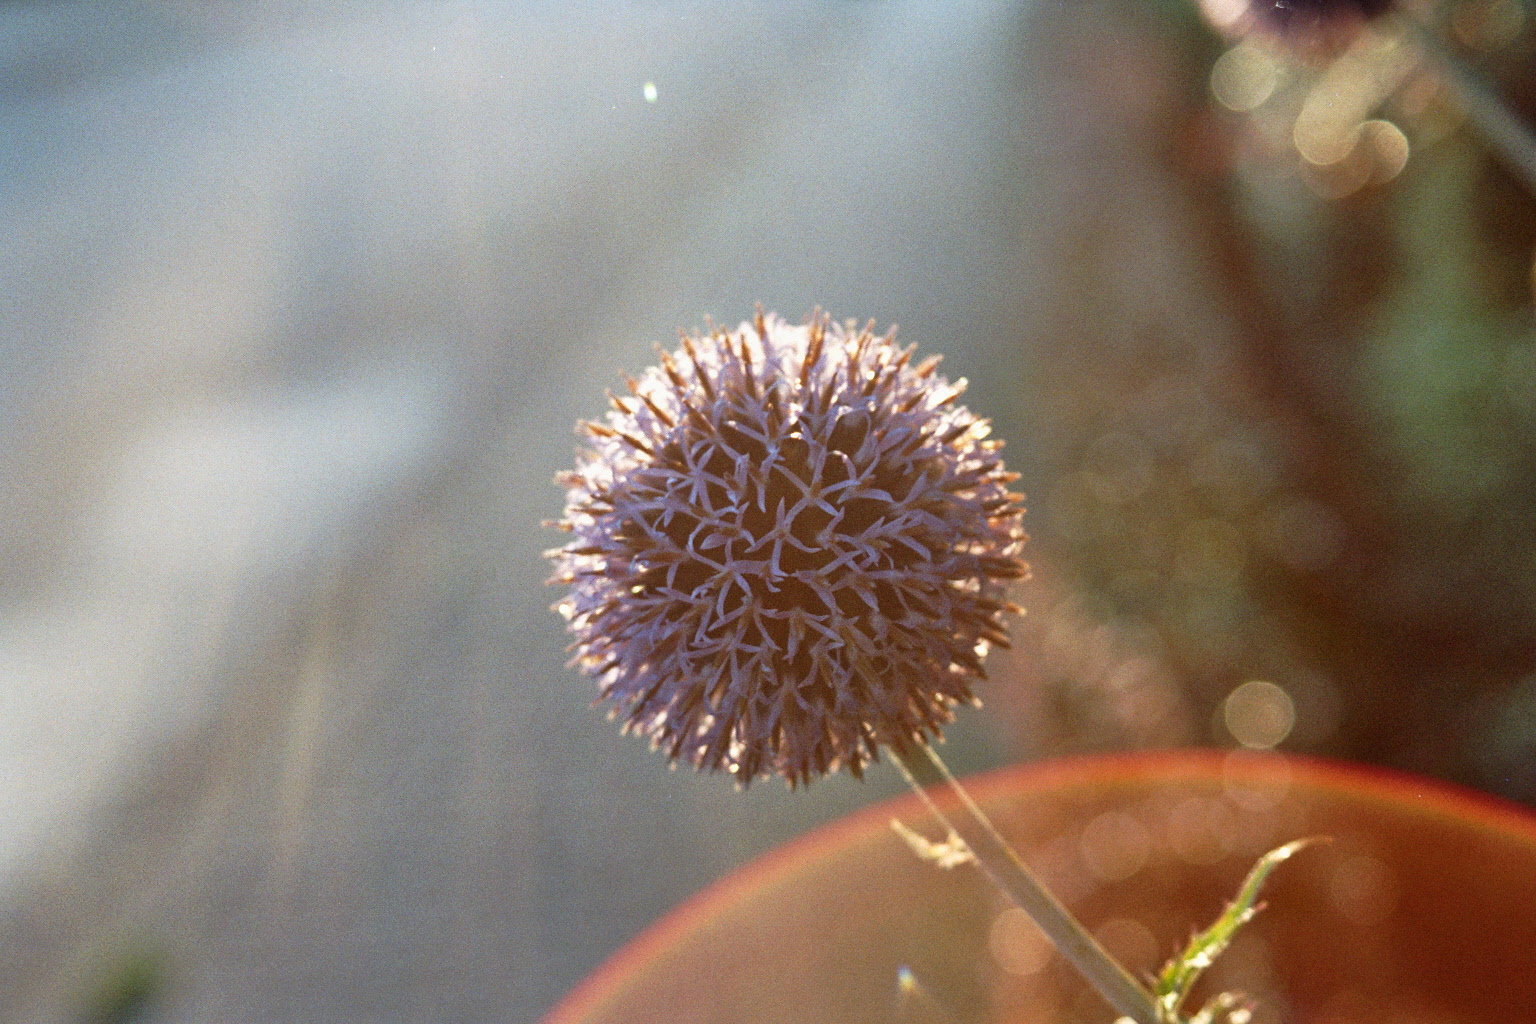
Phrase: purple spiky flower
{"type": "Point", "coordinates": [790, 547]}
{"type": "Point", "coordinates": [1304, 17]}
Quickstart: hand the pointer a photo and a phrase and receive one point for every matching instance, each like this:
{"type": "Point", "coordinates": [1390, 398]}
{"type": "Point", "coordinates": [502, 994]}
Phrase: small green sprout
{"type": "Point", "coordinates": [1181, 973]}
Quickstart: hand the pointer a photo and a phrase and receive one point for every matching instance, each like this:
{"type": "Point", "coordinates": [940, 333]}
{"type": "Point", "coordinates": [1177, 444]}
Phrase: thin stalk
{"type": "Point", "coordinates": [1510, 137]}
{"type": "Point", "coordinates": [922, 767]}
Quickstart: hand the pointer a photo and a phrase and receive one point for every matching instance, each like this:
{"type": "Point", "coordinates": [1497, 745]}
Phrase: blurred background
{"type": "Point", "coordinates": [298, 308]}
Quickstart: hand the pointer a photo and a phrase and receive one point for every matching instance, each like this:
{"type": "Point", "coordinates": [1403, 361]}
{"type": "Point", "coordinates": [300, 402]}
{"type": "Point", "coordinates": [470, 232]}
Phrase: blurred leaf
{"type": "Point", "coordinates": [126, 989]}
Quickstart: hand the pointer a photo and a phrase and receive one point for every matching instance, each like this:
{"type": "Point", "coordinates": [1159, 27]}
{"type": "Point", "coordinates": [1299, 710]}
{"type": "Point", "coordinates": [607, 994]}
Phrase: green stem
{"type": "Point", "coordinates": [922, 767]}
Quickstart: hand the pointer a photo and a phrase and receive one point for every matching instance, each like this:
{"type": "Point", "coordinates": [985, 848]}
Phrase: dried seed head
{"type": "Point", "coordinates": [1301, 17]}
{"type": "Point", "coordinates": [789, 547]}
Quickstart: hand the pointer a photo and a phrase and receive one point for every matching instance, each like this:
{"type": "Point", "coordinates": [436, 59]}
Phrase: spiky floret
{"type": "Point", "coordinates": [790, 547]}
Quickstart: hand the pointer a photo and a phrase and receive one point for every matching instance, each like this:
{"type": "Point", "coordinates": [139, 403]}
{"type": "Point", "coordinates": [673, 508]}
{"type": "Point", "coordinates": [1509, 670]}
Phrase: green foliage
{"type": "Point", "coordinates": [126, 989]}
{"type": "Point", "coordinates": [1181, 973]}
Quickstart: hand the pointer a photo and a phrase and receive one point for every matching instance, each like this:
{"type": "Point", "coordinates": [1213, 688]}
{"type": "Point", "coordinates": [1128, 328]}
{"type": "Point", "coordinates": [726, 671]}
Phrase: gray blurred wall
{"type": "Point", "coordinates": [297, 311]}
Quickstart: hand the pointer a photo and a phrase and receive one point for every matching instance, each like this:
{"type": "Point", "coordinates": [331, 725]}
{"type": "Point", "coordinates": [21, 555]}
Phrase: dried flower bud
{"type": "Point", "coordinates": [1296, 17]}
{"type": "Point", "coordinates": [790, 547]}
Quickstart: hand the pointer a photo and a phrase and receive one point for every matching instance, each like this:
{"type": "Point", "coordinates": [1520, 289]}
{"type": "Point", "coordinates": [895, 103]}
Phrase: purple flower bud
{"type": "Point", "coordinates": [789, 548]}
{"type": "Point", "coordinates": [1306, 16]}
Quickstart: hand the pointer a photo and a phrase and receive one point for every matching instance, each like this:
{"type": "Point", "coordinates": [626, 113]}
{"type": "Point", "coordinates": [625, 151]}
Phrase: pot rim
{"type": "Point", "coordinates": [1403, 792]}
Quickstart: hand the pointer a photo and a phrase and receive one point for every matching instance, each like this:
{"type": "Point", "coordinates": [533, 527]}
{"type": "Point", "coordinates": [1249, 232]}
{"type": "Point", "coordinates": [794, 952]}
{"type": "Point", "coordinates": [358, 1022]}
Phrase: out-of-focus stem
{"type": "Point", "coordinates": [1510, 136]}
{"type": "Point", "coordinates": [923, 767]}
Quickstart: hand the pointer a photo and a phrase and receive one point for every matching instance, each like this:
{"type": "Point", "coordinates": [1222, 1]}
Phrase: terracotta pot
{"type": "Point", "coordinates": [1421, 909]}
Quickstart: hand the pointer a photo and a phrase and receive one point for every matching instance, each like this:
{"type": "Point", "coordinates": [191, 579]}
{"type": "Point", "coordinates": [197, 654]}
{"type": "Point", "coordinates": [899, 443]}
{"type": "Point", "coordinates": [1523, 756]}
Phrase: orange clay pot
{"type": "Point", "coordinates": [1420, 910]}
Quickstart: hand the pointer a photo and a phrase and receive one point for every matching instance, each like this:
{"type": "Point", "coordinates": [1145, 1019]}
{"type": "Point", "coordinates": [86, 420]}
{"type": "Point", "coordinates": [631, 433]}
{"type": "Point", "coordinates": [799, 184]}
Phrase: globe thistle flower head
{"type": "Point", "coordinates": [1287, 13]}
{"type": "Point", "coordinates": [1297, 19]}
{"type": "Point", "coordinates": [789, 548]}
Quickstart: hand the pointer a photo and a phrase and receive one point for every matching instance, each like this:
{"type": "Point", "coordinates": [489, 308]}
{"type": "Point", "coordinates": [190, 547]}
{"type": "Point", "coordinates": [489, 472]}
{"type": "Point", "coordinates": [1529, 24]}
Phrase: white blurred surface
{"type": "Point", "coordinates": [297, 312]}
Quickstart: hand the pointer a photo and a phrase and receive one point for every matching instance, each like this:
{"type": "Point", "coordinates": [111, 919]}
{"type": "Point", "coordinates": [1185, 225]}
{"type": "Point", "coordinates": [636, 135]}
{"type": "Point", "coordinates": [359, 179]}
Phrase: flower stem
{"type": "Point", "coordinates": [922, 767]}
{"type": "Point", "coordinates": [1509, 136]}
